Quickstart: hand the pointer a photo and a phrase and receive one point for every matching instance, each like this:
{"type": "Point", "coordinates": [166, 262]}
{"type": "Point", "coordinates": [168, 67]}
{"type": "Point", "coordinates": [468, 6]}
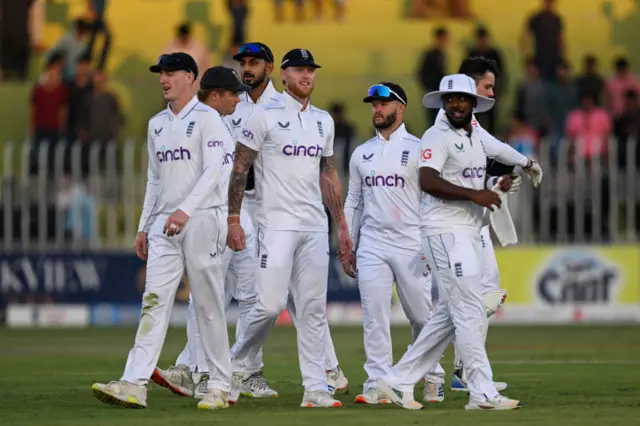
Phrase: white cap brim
{"type": "Point", "coordinates": [433, 100]}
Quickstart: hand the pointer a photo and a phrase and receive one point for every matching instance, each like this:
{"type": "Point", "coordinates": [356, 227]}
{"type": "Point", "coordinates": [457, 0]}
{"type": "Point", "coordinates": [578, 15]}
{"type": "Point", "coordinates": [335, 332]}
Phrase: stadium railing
{"type": "Point", "coordinates": [79, 196]}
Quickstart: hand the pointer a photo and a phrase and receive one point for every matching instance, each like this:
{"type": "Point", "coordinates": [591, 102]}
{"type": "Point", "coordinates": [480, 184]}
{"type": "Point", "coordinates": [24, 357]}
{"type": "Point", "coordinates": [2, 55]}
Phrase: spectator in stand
{"type": "Point", "coordinates": [591, 81]}
{"type": "Point", "coordinates": [318, 7]}
{"type": "Point", "coordinates": [433, 68]}
{"type": "Point", "coordinates": [80, 90]}
{"type": "Point", "coordinates": [561, 98]}
{"type": "Point", "coordinates": [15, 39]}
{"type": "Point", "coordinates": [185, 42]}
{"type": "Point", "coordinates": [523, 138]}
{"type": "Point", "coordinates": [546, 30]}
{"type": "Point", "coordinates": [626, 129]}
{"type": "Point", "coordinates": [484, 48]}
{"type": "Point", "coordinates": [72, 45]}
{"type": "Point", "coordinates": [98, 25]}
{"type": "Point", "coordinates": [622, 81]}
{"type": "Point", "coordinates": [105, 119]}
{"type": "Point", "coordinates": [344, 132]}
{"type": "Point", "coordinates": [589, 128]}
{"type": "Point", "coordinates": [48, 104]}
{"type": "Point", "coordinates": [239, 11]}
{"type": "Point", "coordinates": [531, 99]}
{"type": "Point", "coordinates": [299, 10]}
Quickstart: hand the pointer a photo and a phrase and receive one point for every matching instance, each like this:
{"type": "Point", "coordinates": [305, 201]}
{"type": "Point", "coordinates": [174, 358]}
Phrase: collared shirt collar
{"type": "Point", "coordinates": [184, 111]}
{"type": "Point", "coordinates": [399, 133]}
{"type": "Point", "coordinates": [293, 103]}
{"type": "Point", "coordinates": [269, 92]}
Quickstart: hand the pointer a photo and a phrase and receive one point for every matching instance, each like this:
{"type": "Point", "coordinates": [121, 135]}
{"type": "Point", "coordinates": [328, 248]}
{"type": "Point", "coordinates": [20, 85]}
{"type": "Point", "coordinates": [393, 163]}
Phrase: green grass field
{"type": "Point", "coordinates": [582, 375]}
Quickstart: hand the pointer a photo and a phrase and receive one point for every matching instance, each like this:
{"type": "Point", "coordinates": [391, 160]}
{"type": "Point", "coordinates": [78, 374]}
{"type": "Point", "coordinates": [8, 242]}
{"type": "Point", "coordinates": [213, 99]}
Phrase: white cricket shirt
{"type": "Point", "coordinates": [383, 182]}
{"type": "Point", "coordinates": [460, 158]}
{"type": "Point", "coordinates": [290, 142]}
{"type": "Point", "coordinates": [186, 162]}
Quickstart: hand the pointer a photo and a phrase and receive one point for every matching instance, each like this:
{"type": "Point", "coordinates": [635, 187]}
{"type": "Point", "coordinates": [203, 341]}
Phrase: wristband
{"type": "Point", "coordinates": [233, 220]}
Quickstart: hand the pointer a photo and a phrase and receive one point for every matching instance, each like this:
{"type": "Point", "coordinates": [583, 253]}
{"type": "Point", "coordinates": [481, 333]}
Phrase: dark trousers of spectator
{"type": "Point", "coordinates": [100, 26]}
{"type": "Point", "coordinates": [14, 57]}
{"type": "Point", "coordinates": [239, 18]}
{"type": "Point", "coordinates": [40, 138]}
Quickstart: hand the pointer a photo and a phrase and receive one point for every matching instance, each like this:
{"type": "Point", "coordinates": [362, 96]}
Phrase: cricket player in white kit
{"type": "Point", "coordinates": [293, 144]}
{"type": "Point", "coordinates": [383, 208]}
{"type": "Point", "coordinates": [484, 72]}
{"type": "Point", "coordinates": [184, 223]}
{"type": "Point", "coordinates": [453, 162]}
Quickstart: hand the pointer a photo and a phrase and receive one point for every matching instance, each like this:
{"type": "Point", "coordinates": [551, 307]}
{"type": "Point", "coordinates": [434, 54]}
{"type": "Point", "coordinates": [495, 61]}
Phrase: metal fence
{"type": "Point", "coordinates": [90, 196]}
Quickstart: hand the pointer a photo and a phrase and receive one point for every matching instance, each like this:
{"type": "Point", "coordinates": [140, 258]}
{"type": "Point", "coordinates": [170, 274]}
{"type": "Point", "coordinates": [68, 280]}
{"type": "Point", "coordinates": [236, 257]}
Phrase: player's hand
{"type": "Point", "coordinates": [533, 172]}
{"type": "Point", "coordinates": [504, 183]}
{"type": "Point", "coordinates": [235, 237]}
{"type": "Point", "coordinates": [141, 245]}
{"type": "Point", "coordinates": [349, 264]}
{"type": "Point", "coordinates": [516, 183]}
{"type": "Point", "coordinates": [487, 198]}
{"type": "Point", "coordinates": [175, 223]}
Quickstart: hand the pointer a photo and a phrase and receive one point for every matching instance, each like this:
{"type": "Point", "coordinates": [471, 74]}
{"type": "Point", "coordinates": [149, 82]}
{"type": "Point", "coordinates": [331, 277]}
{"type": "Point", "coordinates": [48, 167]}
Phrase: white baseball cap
{"type": "Point", "coordinates": [457, 83]}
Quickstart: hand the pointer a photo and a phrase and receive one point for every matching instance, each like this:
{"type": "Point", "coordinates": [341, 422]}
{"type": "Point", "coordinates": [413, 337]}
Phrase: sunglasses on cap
{"type": "Point", "coordinates": [254, 48]}
{"type": "Point", "coordinates": [381, 91]}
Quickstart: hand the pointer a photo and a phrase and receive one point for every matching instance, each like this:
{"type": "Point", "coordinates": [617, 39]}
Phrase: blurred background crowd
{"type": "Point", "coordinates": [74, 76]}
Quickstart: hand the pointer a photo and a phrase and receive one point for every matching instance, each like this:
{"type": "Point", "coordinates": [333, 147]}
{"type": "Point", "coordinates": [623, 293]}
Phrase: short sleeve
{"type": "Point", "coordinates": [328, 147]}
{"type": "Point", "coordinates": [254, 132]}
{"type": "Point", "coordinates": [433, 151]}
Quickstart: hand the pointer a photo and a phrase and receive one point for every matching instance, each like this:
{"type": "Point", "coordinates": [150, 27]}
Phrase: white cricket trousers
{"type": "Point", "coordinates": [490, 282]}
{"type": "Point", "coordinates": [455, 260]}
{"type": "Point", "coordinates": [290, 263]}
{"type": "Point", "coordinates": [199, 248]}
{"type": "Point", "coordinates": [239, 284]}
{"type": "Point", "coordinates": [378, 268]}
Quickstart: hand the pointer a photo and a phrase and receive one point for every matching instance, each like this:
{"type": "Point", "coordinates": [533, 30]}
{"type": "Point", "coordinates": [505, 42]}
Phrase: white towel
{"type": "Point", "coordinates": [501, 221]}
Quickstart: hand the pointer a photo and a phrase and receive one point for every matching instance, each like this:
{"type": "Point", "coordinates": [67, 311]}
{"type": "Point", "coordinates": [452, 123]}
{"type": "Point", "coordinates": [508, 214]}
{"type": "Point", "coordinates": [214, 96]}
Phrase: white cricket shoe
{"type": "Point", "coordinates": [254, 385]}
{"type": "Point", "coordinates": [433, 392]}
{"type": "Point", "coordinates": [214, 399]}
{"type": "Point", "coordinates": [176, 378]}
{"type": "Point", "coordinates": [336, 381]}
{"type": "Point", "coordinates": [319, 399]}
{"type": "Point", "coordinates": [402, 399]}
{"type": "Point", "coordinates": [121, 393]}
{"type": "Point", "coordinates": [372, 397]}
{"type": "Point", "coordinates": [498, 403]}
{"type": "Point", "coordinates": [459, 385]}
{"type": "Point", "coordinates": [201, 388]}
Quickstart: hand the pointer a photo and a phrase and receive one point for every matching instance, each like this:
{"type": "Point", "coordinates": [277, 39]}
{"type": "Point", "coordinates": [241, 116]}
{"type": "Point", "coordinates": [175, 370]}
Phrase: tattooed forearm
{"type": "Point", "coordinates": [243, 159]}
{"type": "Point", "coordinates": [331, 190]}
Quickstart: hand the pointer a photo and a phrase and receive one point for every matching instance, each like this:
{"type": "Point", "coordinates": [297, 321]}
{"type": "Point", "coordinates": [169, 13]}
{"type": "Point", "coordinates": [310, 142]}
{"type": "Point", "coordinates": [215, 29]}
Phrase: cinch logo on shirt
{"type": "Point", "coordinates": [473, 172]}
{"type": "Point", "coordinates": [391, 180]}
{"type": "Point", "coordinates": [228, 158]}
{"type": "Point", "coordinates": [173, 155]}
{"type": "Point", "coordinates": [302, 150]}
{"type": "Point", "coordinates": [215, 144]}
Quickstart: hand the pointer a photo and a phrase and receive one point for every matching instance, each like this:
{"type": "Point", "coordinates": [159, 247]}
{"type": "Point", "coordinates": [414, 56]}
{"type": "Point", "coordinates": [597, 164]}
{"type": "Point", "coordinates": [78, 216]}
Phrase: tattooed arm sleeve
{"type": "Point", "coordinates": [331, 189]}
{"type": "Point", "coordinates": [242, 162]}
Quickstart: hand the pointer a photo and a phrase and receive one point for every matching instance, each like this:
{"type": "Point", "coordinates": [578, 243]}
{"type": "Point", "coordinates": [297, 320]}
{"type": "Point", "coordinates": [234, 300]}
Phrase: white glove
{"type": "Point", "coordinates": [516, 183]}
{"type": "Point", "coordinates": [534, 173]}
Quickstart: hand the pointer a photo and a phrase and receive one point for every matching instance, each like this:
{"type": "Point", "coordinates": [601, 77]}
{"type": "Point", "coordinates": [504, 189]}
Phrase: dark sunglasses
{"type": "Point", "coordinates": [383, 92]}
{"type": "Point", "coordinates": [254, 48]}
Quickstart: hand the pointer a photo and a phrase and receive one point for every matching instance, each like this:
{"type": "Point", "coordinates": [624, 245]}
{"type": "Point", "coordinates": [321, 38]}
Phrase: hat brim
{"type": "Point", "coordinates": [159, 68]}
{"type": "Point", "coordinates": [241, 88]}
{"type": "Point", "coordinates": [370, 99]}
{"type": "Point", "coordinates": [433, 100]}
{"type": "Point", "coordinates": [300, 64]}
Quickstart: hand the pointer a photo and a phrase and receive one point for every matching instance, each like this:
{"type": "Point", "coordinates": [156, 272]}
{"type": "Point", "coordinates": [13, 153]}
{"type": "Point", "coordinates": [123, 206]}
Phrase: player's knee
{"type": "Point", "coordinates": [272, 308]}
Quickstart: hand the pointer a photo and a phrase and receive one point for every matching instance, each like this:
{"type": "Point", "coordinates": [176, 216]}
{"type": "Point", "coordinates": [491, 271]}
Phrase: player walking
{"type": "Point", "coordinates": [293, 144]}
{"type": "Point", "coordinates": [383, 207]}
{"type": "Point", "coordinates": [183, 222]}
{"type": "Point", "coordinates": [453, 161]}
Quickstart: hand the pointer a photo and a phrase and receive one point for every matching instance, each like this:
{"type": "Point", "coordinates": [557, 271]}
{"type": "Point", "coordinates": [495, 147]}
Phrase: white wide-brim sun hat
{"type": "Point", "coordinates": [457, 83]}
